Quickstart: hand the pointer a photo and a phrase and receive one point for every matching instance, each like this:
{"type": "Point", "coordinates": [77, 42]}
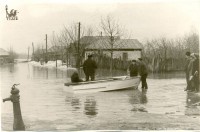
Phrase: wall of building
{"type": "Point", "coordinates": [118, 54]}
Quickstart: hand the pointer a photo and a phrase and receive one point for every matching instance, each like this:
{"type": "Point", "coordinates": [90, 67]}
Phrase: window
{"type": "Point", "coordinates": [125, 56]}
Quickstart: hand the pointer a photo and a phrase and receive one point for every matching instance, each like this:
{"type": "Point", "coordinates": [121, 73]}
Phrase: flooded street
{"type": "Point", "coordinates": [45, 105]}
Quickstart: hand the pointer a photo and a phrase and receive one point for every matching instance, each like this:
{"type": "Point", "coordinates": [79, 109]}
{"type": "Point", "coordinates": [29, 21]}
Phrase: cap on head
{"type": "Point", "coordinates": [187, 53]}
{"type": "Point", "coordinates": [133, 60]}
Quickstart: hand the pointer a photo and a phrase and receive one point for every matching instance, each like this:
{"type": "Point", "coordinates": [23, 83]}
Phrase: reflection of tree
{"type": "Point", "coordinates": [90, 106]}
{"type": "Point", "coordinates": [191, 108]}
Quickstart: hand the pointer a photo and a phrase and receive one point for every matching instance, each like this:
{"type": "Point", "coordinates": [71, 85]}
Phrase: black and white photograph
{"type": "Point", "coordinates": [102, 65]}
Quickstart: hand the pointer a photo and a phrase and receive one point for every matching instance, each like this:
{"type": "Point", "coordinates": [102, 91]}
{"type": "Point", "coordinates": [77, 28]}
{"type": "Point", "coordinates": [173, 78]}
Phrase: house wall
{"type": "Point", "coordinates": [118, 54]}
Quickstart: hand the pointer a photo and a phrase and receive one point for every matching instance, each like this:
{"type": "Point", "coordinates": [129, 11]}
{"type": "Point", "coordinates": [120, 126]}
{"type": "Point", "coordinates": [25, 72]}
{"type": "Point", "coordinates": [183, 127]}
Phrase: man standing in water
{"type": "Point", "coordinates": [194, 73]}
{"type": "Point", "coordinates": [143, 73]}
{"type": "Point", "coordinates": [89, 67]}
{"type": "Point", "coordinates": [187, 68]}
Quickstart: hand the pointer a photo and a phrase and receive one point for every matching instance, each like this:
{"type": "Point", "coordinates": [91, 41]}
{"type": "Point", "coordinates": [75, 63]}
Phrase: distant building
{"type": "Point", "coordinates": [125, 49]}
{"type": "Point", "coordinates": [4, 56]}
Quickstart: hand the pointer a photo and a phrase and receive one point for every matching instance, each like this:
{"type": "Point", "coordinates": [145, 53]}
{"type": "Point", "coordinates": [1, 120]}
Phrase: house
{"type": "Point", "coordinates": [4, 56]}
{"type": "Point", "coordinates": [125, 49]}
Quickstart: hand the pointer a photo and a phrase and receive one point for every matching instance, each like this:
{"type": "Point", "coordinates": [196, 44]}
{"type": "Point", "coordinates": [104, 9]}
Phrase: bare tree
{"type": "Point", "coordinates": [68, 39]}
{"type": "Point", "coordinates": [110, 28]}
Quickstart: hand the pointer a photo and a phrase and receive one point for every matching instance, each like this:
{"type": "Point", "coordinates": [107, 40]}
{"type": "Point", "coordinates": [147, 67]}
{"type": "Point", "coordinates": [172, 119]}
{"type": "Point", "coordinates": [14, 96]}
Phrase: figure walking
{"type": "Point", "coordinates": [143, 73]}
{"type": "Point", "coordinates": [89, 67]}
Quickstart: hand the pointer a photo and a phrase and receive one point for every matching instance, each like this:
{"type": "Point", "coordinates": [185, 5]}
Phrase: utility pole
{"type": "Point", "coordinates": [28, 54]}
{"type": "Point", "coordinates": [46, 56]}
{"type": "Point", "coordinates": [33, 56]}
{"type": "Point", "coordinates": [78, 47]}
{"type": "Point", "coordinates": [111, 63]}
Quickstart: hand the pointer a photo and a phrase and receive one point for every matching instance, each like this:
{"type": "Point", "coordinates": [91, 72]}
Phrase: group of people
{"type": "Point", "coordinates": [192, 72]}
{"type": "Point", "coordinates": [139, 67]}
{"type": "Point", "coordinates": [135, 68]}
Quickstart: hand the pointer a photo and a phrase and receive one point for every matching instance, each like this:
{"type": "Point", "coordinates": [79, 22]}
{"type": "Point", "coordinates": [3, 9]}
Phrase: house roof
{"type": "Point", "coordinates": [131, 44]}
{"type": "Point", "coordinates": [91, 39]}
{"type": "Point", "coordinates": [3, 52]}
{"type": "Point", "coordinates": [56, 48]}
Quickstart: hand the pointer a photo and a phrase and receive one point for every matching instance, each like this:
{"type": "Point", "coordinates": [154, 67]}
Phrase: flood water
{"type": "Point", "coordinates": [45, 105]}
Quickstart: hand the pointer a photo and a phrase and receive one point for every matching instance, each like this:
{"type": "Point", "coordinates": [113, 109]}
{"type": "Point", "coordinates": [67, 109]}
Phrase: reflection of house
{"type": "Point", "coordinates": [4, 56]}
{"type": "Point", "coordinates": [125, 49]}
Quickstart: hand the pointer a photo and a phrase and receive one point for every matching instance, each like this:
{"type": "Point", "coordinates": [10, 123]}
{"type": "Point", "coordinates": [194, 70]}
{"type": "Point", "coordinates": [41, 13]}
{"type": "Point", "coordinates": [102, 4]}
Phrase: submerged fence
{"type": "Point", "coordinates": [165, 65]}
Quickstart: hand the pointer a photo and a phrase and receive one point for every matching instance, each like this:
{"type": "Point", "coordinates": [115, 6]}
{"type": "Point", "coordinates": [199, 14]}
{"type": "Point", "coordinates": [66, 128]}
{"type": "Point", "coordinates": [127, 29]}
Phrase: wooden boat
{"type": "Point", "coordinates": [114, 83]}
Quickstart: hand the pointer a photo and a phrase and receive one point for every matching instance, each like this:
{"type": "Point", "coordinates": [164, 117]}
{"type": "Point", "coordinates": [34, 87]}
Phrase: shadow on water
{"type": "Point", "coordinates": [192, 102]}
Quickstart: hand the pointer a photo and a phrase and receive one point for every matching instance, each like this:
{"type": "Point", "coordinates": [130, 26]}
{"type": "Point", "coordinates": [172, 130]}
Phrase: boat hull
{"type": "Point", "coordinates": [116, 83]}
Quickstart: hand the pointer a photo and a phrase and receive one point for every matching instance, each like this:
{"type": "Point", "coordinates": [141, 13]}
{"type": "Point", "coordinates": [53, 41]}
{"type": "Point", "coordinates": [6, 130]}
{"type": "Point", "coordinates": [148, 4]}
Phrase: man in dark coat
{"type": "Point", "coordinates": [143, 73]}
{"type": "Point", "coordinates": [187, 69]}
{"type": "Point", "coordinates": [194, 72]}
{"type": "Point", "coordinates": [89, 67]}
{"type": "Point", "coordinates": [133, 69]}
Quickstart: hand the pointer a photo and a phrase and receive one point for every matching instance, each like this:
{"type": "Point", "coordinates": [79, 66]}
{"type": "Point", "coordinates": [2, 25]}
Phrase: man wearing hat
{"type": "Point", "coordinates": [143, 73]}
{"type": "Point", "coordinates": [89, 67]}
{"type": "Point", "coordinates": [133, 69]}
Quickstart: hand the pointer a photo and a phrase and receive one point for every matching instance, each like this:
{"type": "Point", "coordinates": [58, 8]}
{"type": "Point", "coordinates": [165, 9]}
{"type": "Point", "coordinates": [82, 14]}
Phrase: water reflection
{"type": "Point", "coordinates": [90, 106]}
{"type": "Point", "coordinates": [143, 98]}
{"type": "Point", "coordinates": [75, 103]}
{"type": "Point", "coordinates": [138, 99]}
{"type": "Point", "coordinates": [192, 106]}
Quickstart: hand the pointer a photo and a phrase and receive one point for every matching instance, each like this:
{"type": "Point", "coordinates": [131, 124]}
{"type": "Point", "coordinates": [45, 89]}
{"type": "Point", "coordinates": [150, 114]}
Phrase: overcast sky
{"type": "Point", "coordinates": [145, 20]}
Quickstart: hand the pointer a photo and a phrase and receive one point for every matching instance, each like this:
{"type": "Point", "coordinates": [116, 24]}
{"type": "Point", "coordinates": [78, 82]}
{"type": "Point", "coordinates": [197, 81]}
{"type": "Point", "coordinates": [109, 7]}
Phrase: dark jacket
{"type": "Point", "coordinates": [75, 78]}
{"type": "Point", "coordinates": [187, 64]}
{"type": "Point", "coordinates": [89, 66]}
{"type": "Point", "coordinates": [143, 68]}
{"type": "Point", "coordinates": [133, 68]}
{"type": "Point", "coordinates": [195, 66]}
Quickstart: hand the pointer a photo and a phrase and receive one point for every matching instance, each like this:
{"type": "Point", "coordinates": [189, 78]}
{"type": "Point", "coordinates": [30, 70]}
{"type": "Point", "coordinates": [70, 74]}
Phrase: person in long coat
{"type": "Point", "coordinates": [143, 71]}
{"type": "Point", "coordinates": [89, 67]}
{"type": "Point", "coordinates": [187, 68]}
{"type": "Point", "coordinates": [194, 72]}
